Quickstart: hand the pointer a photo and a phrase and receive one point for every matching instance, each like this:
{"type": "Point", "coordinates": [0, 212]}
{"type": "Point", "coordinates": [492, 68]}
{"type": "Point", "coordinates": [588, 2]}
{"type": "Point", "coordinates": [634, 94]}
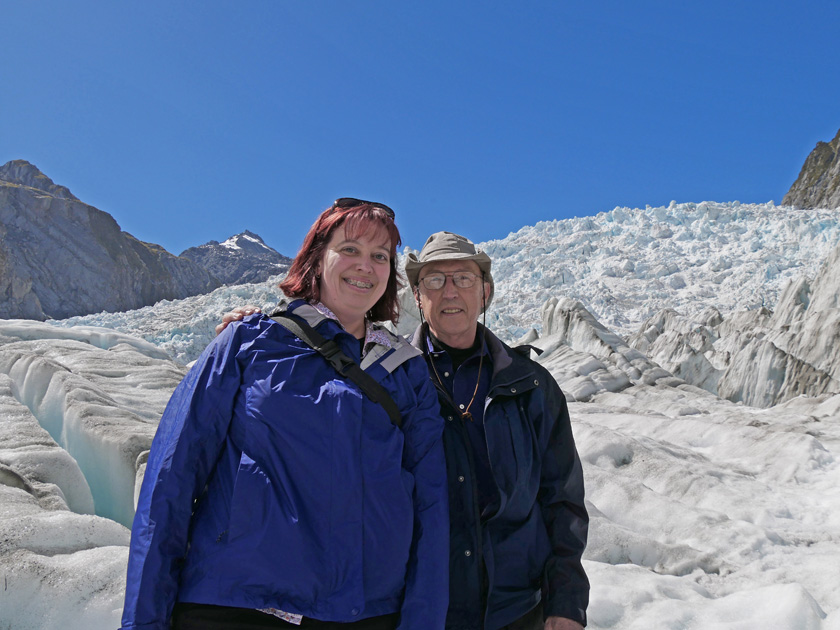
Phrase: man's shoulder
{"type": "Point", "coordinates": [519, 360]}
{"type": "Point", "coordinates": [511, 356]}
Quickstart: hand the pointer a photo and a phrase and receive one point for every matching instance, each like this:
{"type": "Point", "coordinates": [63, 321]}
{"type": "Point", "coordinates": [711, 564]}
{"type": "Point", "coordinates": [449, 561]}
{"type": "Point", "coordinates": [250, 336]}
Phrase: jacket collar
{"type": "Point", "coordinates": [512, 373]}
{"type": "Point", "coordinates": [379, 341]}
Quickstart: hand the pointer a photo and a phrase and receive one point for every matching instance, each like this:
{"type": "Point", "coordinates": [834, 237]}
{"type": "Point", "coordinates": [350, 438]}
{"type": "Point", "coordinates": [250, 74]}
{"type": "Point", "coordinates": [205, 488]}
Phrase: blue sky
{"type": "Point", "coordinates": [192, 121]}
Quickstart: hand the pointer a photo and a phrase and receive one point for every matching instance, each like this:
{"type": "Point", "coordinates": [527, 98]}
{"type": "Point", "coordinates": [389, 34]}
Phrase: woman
{"type": "Point", "coordinates": [277, 494]}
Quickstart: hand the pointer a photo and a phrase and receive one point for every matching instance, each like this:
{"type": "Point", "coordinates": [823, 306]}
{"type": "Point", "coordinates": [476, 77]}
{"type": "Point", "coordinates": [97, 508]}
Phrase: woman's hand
{"type": "Point", "coordinates": [237, 314]}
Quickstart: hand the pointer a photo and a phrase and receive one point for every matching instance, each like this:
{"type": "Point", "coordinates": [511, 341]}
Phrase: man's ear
{"type": "Point", "coordinates": [486, 292]}
{"type": "Point", "coordinates": [417, 298]}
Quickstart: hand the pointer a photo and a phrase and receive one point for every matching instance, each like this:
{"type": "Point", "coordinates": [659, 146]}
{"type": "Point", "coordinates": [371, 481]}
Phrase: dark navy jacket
{"type": "Point", "coordinates": [529, 548]}
{"type": "Point", "coordinates": [275, 483]}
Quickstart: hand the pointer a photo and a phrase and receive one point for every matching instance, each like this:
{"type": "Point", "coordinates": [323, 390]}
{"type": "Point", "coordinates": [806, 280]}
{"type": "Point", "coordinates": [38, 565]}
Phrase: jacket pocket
{"type": "Point", "coordinates": [252, 494]}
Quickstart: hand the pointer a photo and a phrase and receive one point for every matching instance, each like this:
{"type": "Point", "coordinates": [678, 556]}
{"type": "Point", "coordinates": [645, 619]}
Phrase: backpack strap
{"type": "Point", "coordinates": [343, 364]}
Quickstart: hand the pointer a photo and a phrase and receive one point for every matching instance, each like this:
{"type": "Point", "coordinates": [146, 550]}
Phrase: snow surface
{"type": "Point", "coordinates": [705, 513]}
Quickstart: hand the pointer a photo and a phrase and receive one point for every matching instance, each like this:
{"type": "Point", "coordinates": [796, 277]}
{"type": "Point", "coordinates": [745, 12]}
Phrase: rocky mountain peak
{"type": "Point", "coordinates": [240, 259]}
{"type": "Point", "coordinates": [23, 173]}
{"type": "Point", "coordinates": [818, 184]}
{"type": "Point", "coordinates": [248, 242]}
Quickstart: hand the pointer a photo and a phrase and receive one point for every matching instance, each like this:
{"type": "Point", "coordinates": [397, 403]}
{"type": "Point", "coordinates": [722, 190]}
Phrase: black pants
{"type": "Point", "coordinates": [206, 617]}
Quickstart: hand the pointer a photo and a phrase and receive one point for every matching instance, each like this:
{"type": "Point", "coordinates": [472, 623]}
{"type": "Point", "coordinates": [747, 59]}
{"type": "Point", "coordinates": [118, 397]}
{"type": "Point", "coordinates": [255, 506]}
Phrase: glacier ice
{"type": "Point", "coordinates": [759, 357]}
{"type": "Point", "coordinates": [98, 396]}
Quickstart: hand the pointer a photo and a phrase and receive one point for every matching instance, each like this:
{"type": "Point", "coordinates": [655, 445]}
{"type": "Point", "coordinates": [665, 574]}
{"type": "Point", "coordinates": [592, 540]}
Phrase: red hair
{"type": "Point", "coordinates": [301, 282]}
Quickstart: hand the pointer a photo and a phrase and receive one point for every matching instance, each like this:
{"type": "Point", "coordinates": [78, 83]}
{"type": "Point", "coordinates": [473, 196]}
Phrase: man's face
{"type": "Point", "coordinates": [450, 311]}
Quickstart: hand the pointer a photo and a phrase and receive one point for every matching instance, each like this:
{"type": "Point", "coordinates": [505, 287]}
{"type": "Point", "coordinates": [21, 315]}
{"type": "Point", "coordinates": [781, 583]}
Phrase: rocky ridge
{"type": "Point", "coordinates": [818, 184]}
{"type": "Point", "coordinates": [61, 257]}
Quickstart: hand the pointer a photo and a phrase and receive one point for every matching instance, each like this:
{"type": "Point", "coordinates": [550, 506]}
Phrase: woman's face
{"type": "Point", "coordinates": [354, 275]}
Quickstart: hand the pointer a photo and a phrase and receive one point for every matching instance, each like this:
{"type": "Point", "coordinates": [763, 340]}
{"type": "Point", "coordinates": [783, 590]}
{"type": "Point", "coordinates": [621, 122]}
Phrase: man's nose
{"type": "Point", "coordinates": [449, 288]}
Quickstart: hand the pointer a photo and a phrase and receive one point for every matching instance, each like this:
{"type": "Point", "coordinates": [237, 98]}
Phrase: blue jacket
{"type": "Point", "coordinates": [528, 548]}
{"type": "Point", "coordinates": [273, 482]}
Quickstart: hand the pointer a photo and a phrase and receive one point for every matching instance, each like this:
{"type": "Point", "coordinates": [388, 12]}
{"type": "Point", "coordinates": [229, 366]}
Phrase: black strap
{"type": "Point", "coordinates": [343, 364]}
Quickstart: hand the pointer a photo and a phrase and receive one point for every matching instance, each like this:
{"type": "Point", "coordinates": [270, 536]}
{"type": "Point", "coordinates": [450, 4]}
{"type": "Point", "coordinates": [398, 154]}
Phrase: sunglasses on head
{"type": "Point", "coordinates": [350, 202]}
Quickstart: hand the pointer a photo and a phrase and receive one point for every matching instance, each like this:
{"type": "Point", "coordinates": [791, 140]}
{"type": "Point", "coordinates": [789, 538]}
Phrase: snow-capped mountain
{"type": "Point", "coordinates": [241, 259]}
{"type": "Point", "coordinates": [60, 257]}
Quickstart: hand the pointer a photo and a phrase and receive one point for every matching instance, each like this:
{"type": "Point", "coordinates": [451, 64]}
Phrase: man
{"type": "Point", "coordinates": [518, 524]}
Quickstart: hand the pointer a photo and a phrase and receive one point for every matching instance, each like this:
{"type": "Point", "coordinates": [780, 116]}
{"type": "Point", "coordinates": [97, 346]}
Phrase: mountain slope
{"type": "Point", "coordinates": [61, 257]}
{"type": "Point", "coordinates": [818, 184]}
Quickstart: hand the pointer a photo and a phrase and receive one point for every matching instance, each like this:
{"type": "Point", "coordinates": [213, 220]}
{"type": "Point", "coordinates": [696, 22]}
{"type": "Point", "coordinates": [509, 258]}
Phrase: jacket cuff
{"type": "Point", "coordinates": [571, 607]}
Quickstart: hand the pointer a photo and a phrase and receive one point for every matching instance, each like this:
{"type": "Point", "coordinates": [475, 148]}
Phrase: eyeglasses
{"type": "Point", "coordinates": [461, 279]}
{"type": "Point", "coordinates": [350, 202]}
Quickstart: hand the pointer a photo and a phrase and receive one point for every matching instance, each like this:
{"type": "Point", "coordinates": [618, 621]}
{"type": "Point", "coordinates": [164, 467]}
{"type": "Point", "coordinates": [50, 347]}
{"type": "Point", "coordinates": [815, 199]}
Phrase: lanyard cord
{"type": "Point", "coordinates": [465, 415]}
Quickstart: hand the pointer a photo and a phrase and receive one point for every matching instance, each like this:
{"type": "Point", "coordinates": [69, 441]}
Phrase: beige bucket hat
{"type": "Point", "coordinates": [448, 246]}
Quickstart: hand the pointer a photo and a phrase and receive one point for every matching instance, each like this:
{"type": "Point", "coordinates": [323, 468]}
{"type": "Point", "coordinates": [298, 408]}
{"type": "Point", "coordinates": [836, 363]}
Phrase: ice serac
{"type": "Point", "coordinates": [180, 329]}
{"type": "Point", "coordinates": [243, 258]}
{"type": "Point", "coordinates": [61, 257]}
{"type": "Point", "coordinates": [808, 325]}
{"type": "Point", "coordinates": [681, 345]}
{"type": "Point", "coordinates": [758, 357]}
{"type": "Point", "coordinates": [818, 184]}
{"type": "Point", "coordinates": [627, 264]}
{"type": "Point", "coordinates": [585, 358]}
